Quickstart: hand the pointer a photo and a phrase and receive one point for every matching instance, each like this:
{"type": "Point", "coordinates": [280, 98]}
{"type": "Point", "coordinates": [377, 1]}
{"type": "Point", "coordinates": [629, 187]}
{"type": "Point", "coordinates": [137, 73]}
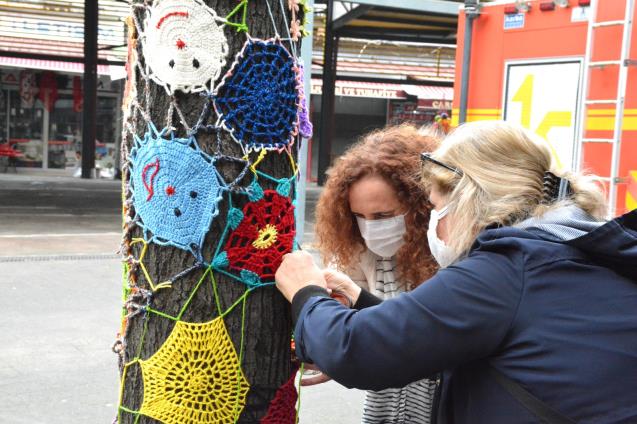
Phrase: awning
{"type": "Point", "coordinates": [427, 92]}
{"type": "Point", "coordinates": [385, 90]}
{"type": "Point", "coordinates": [113, 71]}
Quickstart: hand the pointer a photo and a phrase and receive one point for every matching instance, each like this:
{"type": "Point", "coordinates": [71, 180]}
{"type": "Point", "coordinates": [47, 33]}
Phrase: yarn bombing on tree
{"type": "Point", "coordinates": [258, 99]}
{"type": "Point", "coordinates": [173, 193]}
{"type": "Point", "coordinates": [184, 44]}
{"type": "Point", "coordinates": [176, 189]}
{"type": "Point", "coordinates": [194, 376]}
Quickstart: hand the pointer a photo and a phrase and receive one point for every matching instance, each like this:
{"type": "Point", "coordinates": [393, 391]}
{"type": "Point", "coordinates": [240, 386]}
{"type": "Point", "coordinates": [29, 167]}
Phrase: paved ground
{"type": "Point", "coordinates": [60, 299]}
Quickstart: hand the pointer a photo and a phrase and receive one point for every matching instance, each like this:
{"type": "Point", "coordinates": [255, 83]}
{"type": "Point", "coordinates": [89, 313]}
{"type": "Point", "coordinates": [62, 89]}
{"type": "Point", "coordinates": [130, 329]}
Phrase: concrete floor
{"type": "Point", "coordinates": [60, 283]}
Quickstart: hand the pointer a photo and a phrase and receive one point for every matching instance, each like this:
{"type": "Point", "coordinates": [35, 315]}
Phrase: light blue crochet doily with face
{"type": "Point", "coordinates": [176, 190]}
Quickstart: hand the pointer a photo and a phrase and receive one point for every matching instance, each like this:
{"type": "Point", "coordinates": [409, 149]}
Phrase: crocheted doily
{"type": "Point", "coordinates": [258, 99]}
{"type": "Point", "coordinates": [184, 45]}
{"type": "Point", "coordinates": [176, 189]}
{"type": "Point", "coordinates": [262, 233]}
{"type": "Point", "coordinates": [282, 409]}
{"type": "Point", "coordinates": [194, 377]}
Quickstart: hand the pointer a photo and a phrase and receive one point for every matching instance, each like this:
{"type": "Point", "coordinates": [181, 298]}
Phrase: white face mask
{"type": "Point", "coordinates": [383, 236]}
{"type": "Point", "coordinates": [442, 253]}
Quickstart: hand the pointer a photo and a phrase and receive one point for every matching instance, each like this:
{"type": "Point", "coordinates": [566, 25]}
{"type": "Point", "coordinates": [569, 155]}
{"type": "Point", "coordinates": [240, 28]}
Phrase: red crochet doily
{"type": "Point", "coordinates": [282, 409]}
{"type": "Point", "coordinates": [264, 235]}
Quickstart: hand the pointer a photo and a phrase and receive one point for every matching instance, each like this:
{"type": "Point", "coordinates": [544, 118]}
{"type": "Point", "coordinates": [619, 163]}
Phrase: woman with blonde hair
{"type": "Point", "coordinates": [371, 224]}
{"type": "Point", "coordinates": [533, 316]}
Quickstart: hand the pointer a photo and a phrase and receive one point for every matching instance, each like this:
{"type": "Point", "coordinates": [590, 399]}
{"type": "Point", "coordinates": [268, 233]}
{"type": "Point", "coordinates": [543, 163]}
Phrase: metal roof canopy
{"type": "Point", "coordinates": [423, 21]}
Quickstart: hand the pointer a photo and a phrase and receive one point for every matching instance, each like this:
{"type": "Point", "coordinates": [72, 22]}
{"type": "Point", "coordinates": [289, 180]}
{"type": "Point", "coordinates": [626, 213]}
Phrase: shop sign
{"type": "Point", "coordinates": [349, 91]}
{"type": "Point", "coordinates": [61, 21]}
{"type": "Point", "coordinates": [441, 104]}
{"type": "Point", "coordinates": [28, 27]}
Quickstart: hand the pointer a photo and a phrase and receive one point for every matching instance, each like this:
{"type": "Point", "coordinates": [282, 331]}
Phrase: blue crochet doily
{"type": "Point", "coordinates": [258, 99]}
{"type": "Point", "coordinates": [176, 189]}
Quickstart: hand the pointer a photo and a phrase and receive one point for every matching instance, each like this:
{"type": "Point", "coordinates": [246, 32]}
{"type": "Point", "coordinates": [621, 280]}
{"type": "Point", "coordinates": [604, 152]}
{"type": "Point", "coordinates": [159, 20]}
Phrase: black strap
{"type": "Point", "coordinates": [540, 409]}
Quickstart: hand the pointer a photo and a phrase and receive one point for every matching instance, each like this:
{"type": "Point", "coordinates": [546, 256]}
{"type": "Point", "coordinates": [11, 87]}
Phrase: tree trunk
{"type": "Point", "coordinates": [265, 327]}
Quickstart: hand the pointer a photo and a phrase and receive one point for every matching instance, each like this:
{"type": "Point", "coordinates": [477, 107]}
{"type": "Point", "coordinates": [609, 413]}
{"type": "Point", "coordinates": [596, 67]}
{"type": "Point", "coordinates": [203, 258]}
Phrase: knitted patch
{"type": "Point", "coordinates": [258, 99]}
{"type": "Point", "coordinates": [282, 409]}
{"type": "Point", "coordinates": [184, 45]}
{"type": "Point", "coordinates": [264, 235]}
{"type": "Point", "coordinates": [176, 189]}
{"type": "Point", "coordinates": [194, 377]}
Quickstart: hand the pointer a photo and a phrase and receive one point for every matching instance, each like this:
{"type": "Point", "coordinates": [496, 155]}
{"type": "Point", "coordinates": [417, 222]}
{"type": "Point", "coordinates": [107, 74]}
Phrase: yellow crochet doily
{"type": "Point", "coordinates": [194, 377]}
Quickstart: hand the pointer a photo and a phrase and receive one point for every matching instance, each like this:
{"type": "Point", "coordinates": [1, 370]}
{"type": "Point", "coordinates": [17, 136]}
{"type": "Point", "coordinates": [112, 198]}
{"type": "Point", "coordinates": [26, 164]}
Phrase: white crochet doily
{"type": "Point", "coordinates": [184, 45]}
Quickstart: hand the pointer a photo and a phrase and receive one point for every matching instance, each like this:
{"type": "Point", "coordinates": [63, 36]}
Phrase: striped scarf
{"type": "Point", "coordinates": [413, 403]}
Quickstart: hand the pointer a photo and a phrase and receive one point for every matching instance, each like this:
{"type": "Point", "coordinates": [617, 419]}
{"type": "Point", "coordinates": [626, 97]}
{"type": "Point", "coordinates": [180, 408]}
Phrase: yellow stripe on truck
{"type": "Point", "coordinates": [477, 115]}
{"type": "Point", "coordinates": [631, 192]}
{"type": "Point", "coordinates": [604, 120]}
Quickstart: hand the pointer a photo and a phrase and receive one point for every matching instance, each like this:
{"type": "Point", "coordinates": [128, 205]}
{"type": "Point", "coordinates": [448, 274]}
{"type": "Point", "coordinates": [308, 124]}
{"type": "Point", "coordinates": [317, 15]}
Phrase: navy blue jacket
{"type": "Point", "coordinates": [559, 318]}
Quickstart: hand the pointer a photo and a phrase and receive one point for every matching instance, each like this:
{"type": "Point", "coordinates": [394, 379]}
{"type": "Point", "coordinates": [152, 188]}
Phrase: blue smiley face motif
{"type": "Point", "coordinates": [176, 190]}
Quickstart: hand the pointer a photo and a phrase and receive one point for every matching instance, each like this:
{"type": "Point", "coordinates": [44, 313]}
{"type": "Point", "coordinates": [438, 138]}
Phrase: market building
{"type": "Point", "coordinates": [41, 67]}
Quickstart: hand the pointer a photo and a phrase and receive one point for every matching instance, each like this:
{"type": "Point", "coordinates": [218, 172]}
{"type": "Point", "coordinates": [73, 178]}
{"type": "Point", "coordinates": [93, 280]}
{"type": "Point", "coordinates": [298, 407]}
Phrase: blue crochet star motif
{"type": "Point", "coordinates": [258, 99]}
{"type": "Point", "coordinates": [176, 190]}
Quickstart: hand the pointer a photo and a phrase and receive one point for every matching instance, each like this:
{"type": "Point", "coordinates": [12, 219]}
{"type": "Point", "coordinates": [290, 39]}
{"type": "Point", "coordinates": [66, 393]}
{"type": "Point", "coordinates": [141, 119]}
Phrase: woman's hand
{"type": "Point", "coordinates": [297, 270]}
{"type": "Point", "coordinates": [317, 378]}
{"type": "Point", "coordinates": [337, 281]}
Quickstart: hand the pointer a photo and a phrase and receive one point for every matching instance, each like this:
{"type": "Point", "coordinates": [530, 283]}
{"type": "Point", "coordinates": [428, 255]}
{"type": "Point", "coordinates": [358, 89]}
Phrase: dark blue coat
{"type": "Point", "coordinates": [559, 318]}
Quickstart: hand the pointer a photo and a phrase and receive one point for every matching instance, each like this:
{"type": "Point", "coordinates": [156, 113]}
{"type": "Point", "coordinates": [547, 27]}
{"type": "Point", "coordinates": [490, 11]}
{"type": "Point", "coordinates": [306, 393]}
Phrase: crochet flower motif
{"type": "Point", "coordinates": [264, 234]}
{"type": "Point", "coordinates": [258, 99]}
{"type": "Point", "coordinates": [184, 44]}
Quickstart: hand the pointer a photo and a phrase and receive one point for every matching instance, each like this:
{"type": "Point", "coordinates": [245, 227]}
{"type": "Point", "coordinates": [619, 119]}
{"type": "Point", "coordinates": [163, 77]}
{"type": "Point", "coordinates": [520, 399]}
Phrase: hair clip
{"type": "Point", "coordinates": [555, 188]}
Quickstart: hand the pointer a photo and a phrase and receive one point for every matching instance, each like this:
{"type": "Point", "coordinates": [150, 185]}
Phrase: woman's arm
{"type": "Point", "coordinates": [461, 314]}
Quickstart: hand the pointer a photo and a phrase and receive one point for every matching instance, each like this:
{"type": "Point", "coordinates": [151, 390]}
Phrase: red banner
{"type": "Point", "coordinates": [78, 96]}
{"type": "Point", "coordinates": [48, 90]}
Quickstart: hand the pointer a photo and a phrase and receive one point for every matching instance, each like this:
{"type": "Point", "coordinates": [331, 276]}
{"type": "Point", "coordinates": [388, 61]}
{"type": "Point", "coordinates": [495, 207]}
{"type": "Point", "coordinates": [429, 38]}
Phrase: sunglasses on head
{"type": "Point", "coordinates": [426, 157]}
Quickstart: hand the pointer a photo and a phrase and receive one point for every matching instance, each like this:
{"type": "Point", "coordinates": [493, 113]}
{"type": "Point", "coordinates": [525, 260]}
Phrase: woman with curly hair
{"type": "Point", "coordinates": [371, 224]}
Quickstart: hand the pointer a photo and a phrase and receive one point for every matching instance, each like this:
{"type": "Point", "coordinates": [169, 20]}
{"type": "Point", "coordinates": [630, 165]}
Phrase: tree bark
{"type": "Point", "coordinates": [267, 357]}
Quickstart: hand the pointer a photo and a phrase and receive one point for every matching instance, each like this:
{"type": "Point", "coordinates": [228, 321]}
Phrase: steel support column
{"type": "Point", "coordinates": [89, 113]}
{"type": "Point", "coordinates": [472, 11]}
{"type": "Point", "coordinates": [330, 53]}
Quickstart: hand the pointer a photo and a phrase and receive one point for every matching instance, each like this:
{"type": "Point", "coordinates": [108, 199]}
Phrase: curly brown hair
{"type": "Point", "coordinates": [392, 153]}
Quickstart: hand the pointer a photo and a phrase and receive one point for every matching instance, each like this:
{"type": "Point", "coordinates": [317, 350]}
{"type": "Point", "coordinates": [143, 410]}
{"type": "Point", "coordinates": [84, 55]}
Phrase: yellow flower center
{"type": "Point", "coordinates": [266, 238]}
